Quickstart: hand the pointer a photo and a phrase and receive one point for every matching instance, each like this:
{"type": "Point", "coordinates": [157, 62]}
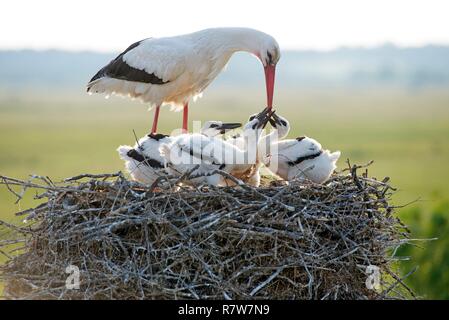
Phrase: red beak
{"type": "Point", "coordinates": [270, 72]}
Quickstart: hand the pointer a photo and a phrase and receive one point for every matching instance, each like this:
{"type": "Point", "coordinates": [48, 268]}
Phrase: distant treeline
{"type": "Point", "coordinates": [387, 65]}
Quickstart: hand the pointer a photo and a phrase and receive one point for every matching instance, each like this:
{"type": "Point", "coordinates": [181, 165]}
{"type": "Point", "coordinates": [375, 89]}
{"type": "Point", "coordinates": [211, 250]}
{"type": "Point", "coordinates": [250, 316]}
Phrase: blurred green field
{"type": "Point", "coordinates": [404, 132]}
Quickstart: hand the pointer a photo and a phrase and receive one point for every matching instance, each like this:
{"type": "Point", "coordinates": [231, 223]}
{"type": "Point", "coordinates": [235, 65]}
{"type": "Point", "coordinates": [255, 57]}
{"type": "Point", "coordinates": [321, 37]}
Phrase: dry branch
{"type": "Point", "coordinates": [168, 241]}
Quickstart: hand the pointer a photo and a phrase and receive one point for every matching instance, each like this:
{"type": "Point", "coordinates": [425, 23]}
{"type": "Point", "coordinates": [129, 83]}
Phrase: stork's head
{"type": "Point", "coordinates": [269, 53]}
{"type": "Point", "coordinates": [215, 128]}
{"type": "Point", "coordinates": [281, 125]}
{"type": "Point", "coordinates": [258, 120]}
{"type": "Point", "coordinates": [258, 43]}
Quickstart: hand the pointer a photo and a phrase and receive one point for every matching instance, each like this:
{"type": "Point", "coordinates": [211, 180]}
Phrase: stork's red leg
{"type": "Point", "coordinates": [155, 119]}
{"type": "Point", "coordinates": [185, 118]}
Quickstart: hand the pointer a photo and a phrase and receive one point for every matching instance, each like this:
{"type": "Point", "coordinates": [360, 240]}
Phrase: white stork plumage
{"type": "Point", "coordinates": [302, 158]}
{"type": "Point", "coordinates": [188, 151]}
{"type": "Point", "coordinates": [281, 128]}
{"type": "Point", "coordinates": [173, 70]}
{"type": "Point", "coordinates": [145, 163]}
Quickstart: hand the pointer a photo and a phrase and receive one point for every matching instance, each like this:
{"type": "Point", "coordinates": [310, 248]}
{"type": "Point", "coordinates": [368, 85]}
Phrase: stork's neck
{"type": "Point", "coordinates": [265, 143]}
{"type": "Point", "coordinates": [270, 138]}
{"type": "Point", "coordinates": [251, 139]}
{"type": "Point", "coordinates": [232, 40]}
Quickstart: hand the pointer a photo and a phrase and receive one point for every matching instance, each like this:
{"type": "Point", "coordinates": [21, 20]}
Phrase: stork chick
{"type": "Point", "coordinates": [302, 158]}
{"type": "Point", "coordinates": [210, 153]}
{"type": "Point", "coordinates": [281, 127]}
{"type": "Point", "coordinates": [144, 161]}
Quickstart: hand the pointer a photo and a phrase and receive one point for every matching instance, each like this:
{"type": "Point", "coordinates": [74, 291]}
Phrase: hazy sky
{"type": "Point", "coordinates": [316, 24]}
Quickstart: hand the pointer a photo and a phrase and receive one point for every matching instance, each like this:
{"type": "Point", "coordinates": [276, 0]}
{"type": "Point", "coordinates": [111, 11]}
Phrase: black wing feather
{"type": "Point", "coordinates": [149, 162]}
{"type": "Point", "coordinates": [304, 158]}
{"type": "Point", "coordinates": [119, 69]}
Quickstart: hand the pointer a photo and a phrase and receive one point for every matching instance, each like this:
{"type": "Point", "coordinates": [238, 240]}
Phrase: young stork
{"type": "Point", "coordinates": [281, 128]}
{"type": "Point", "coordinates": [301, 158]}
{"type": "Point", "coordinates": [144, 161]}
{"type": "Point", "coordinates": [209, 154]}
{"type": "Point", "coordinates": [173, 70]}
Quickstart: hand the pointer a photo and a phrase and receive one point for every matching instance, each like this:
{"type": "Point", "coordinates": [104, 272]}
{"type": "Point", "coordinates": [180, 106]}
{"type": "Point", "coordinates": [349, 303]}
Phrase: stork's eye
{"type": "Point", "coordinates": [270, 57]}
{"type": "Point", "coordinates": [252, 118]}
{"type": "Point", "coordinates": [300, 138]}
{"type": "Point", "coordinates": [283, 123]}
{"type": "Point", "coordinates": [214, 125]}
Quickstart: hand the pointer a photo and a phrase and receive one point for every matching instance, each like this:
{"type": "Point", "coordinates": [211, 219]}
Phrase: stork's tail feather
{"type": "Point", "coordinates": [335, 156]}
{"type": "Point", "coordinates": [104, 85]}
{"type": "Point", "coordinates": [123, 152]}
{"type": "Point", "coordinates": [95, 86]}
{"type": "Point", "coordinates": [98, 76]}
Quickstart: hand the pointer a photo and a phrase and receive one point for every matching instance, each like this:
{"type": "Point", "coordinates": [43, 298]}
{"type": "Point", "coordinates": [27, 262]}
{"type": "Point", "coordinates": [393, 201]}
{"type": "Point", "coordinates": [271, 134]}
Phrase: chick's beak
{"type": "Point", "coordinates": [229, 126]}
{"type": "Point", "coordinates": [274, 119]}
{"type": "Point", "coordinates": [264, 117]}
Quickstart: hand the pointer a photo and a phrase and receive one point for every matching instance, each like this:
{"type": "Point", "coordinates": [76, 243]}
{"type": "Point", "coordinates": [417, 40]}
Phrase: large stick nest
{"type": "Point", "coordinates": [169, 241]}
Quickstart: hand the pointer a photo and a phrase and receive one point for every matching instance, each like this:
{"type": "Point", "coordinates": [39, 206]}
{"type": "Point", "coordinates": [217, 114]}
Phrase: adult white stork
{"type": "Point", "coordinates": [173, 70]}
